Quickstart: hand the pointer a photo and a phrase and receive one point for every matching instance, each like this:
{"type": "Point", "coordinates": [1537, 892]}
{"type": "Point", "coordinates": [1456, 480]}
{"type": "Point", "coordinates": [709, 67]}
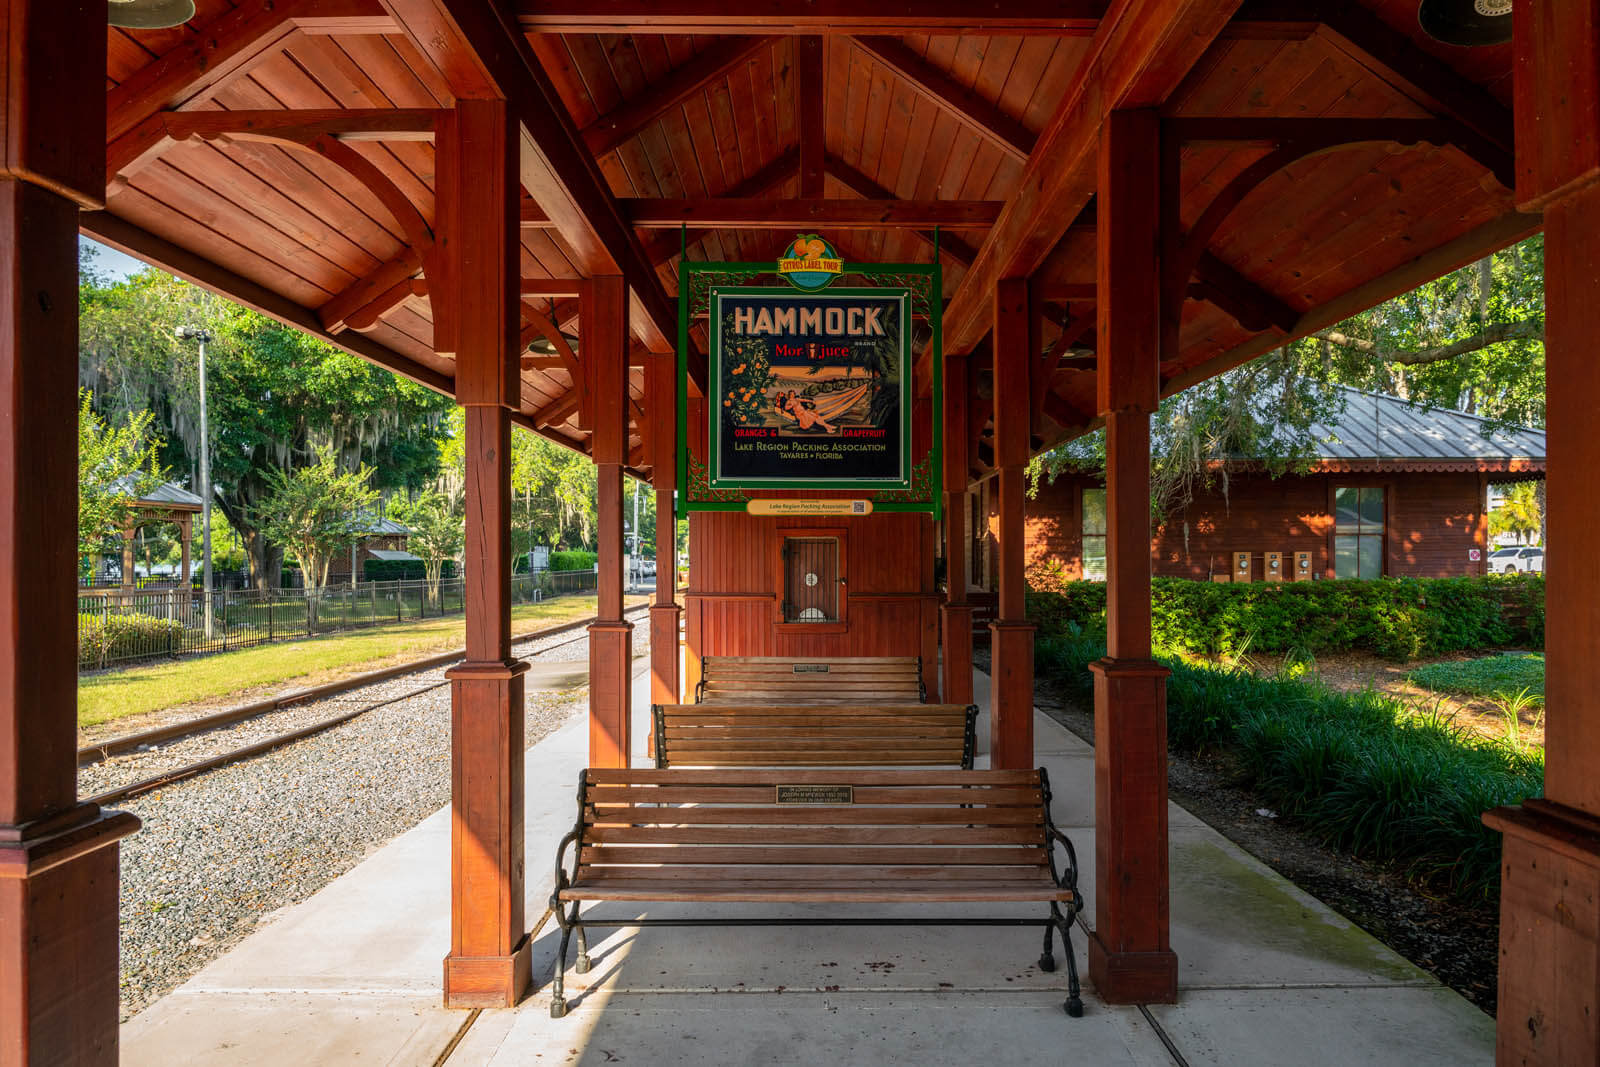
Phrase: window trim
{"type": "Point", "coordinates": [840, 625]}
{"type": "Point", "coordinates": [1083, 570]}
{"type": "Point", "coordinates": [1385, 538]}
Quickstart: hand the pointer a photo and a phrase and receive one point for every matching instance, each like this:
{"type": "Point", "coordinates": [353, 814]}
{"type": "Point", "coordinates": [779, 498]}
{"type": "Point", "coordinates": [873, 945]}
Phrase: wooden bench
{"type": "Point", "coordinates": [810, 680]}
{"type": "Point", "coordinates": [814, 735]}
{"type": "Point", "coordinates": [815, 837]}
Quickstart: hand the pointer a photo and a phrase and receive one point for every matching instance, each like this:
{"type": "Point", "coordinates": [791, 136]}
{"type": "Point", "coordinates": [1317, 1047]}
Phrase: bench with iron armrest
{"type": "Point", "coordinates": [814, 735]}
{"type": "Point", "coordinates": [815, 837]}
{"type": "Point", "coordinates": [810, 680]}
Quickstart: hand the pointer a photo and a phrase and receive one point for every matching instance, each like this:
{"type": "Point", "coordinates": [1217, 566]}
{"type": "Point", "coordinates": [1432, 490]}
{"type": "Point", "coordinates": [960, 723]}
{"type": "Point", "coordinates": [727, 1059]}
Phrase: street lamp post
{"type": "Point", "coordinates": [203, 336]}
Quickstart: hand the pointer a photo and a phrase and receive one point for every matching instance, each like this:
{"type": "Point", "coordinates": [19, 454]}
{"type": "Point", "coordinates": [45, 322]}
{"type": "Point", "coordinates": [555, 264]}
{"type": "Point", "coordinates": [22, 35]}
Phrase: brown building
{"type": "Point", "coordinates": [1396, 491]}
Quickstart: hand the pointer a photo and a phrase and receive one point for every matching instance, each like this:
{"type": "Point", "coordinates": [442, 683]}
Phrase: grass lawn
{"type": "Point", "coordinates": [151, 687]}
{"type": "Point", "coordinates": [1499, 678]}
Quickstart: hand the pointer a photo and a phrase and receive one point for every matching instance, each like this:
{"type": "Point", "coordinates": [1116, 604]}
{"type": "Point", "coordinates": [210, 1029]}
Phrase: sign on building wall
{"type": "Point", "coordinates": [811, 389]}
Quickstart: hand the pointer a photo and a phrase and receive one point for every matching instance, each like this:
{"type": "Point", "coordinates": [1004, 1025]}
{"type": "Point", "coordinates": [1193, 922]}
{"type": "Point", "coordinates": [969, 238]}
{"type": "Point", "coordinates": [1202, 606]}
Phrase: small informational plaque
{"type": "Point", "coordinates": [811, 668]}
{"type": "Point", "coordinates": [816, 794]}
{"type": "Point", "coordinates": [809, 507]}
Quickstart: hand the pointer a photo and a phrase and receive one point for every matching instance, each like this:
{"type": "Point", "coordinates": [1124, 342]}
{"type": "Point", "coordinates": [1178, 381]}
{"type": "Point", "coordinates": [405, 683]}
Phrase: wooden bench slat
{"type": "Point", "coordinates": [887, 894]}
{"type": "Point", "coordinates": [807, 873]}
{"type": "Point", "coordinates": [886, 781]}
{"type": "Point", "coordinates": [763, 794]}
{"type": "Point", "coordinates": [865, 660]}
{"type": "Point", "coordinates": [747, 732]}
{"type": "Point", "coordinates": [833, 836]}
{"type": "Point", "coordinates": [803, 815]}
{"type": "Point", "coordinates": [795, 854]}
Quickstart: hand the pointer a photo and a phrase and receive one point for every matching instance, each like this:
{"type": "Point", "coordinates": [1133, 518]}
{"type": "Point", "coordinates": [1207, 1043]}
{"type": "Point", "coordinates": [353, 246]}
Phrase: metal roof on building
{"type": "Point", "coordinates": [391, 554]}
{"type": "Point", "coordinates": [167, 494]}
{"type": "Point", "coordinates": [382, 527]}
{"type": "Point", "coordinates": [1377, 429]}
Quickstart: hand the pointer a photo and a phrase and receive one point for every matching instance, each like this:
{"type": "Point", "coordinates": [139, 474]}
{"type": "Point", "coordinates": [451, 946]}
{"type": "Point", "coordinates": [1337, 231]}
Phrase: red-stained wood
{"type": "Point", "coordinates": [58, 857]}
{"type": "Point", "coordinates": [1130, 957]}
{"type": "Point", "coordinates": [1011, 635]}
{"type": "Point", "coordinates": [1050, 17]}
{"type": "Point", "coordinates": [610, 130]}
{"type": "Point", "coordinates": [758, 214]}
{"type": "Point", "coordinates": [1557, 100]}
{"type": "Point", "coordinates": [956, 613]}
{"type": "Point", "coordinates": [968, 106]}
{"type": "Point", "coordinates": [661, 399]}
{"type": "Point", "coordinates": [811, 98]}
{"type": "Point", "coordinates": [475, 291]}
{"type": "Point", "coordinates": [605, 360]}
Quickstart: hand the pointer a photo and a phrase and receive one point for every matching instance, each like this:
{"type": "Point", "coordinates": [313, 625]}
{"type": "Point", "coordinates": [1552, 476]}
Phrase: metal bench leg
{"type": "Point", "coordinates": [1047, 962]}
{"type": "Point", "coordinates": [582, 963]}
{"type": "Point", "coordinates": [1074, 1004]}
{"type": "Point", "coordinates": [558, 1001]}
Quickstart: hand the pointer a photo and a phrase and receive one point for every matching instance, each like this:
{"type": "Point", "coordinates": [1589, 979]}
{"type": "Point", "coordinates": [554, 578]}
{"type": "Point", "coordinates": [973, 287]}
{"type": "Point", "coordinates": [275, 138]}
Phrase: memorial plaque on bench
{"type": "Point", "coordinates": [815, 794]}
{"type": "Point", "coordinates": [811, 668]}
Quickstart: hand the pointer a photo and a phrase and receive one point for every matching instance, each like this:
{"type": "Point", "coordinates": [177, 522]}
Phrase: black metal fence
{"type": "Point", "coordinates": [116, 626]}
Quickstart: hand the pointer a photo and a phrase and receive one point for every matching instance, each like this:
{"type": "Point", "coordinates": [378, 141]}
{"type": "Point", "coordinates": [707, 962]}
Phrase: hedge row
{"type": "Point", "coordinates": [1360, 770]}
{"type": "Point", "coordinates": [573, 559]}
{"type": "Point", "coordinates": [1397, 618]}
{"type": "Point", "coordinates": [102, 638]}
{"type": "Point", "coordinates": [402, 570]}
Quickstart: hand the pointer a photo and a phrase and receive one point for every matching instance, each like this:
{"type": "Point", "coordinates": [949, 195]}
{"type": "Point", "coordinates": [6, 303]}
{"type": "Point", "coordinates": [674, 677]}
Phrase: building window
{"type": "Point", "coordinates": [1094, 535]}
{"type": "Point", "coordinates": [810, 579]}
{"type": "Point", "coordinates": [1358, 533]}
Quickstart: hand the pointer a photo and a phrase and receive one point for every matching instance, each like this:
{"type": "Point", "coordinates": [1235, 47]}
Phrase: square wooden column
{"type": "Point", "coordinates": [476, 320]}
{"type": "Point", "coordinates": [955, 614]}
{"type": "Point", "coordinates": [604, 333]}
{"type": "Point", "coordinates": [58, 856]}
{"type": "Point", "coordinates": [1011, 634]}
{"type": "Point", "coordinates": [665, 612]}
{"type": "Point", "coordinates": [1130, 958]}
{"type": "Point", "coordinates": [1549, 1002]}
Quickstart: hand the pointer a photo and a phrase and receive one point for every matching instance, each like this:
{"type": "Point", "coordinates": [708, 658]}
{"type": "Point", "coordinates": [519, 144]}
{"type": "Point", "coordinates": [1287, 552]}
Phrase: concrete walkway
{"type": "Point", "coordinates": [1268, 974]}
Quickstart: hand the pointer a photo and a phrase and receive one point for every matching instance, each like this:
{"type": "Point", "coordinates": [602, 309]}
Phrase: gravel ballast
{"type": "Point", "coordinates": [221, 851]}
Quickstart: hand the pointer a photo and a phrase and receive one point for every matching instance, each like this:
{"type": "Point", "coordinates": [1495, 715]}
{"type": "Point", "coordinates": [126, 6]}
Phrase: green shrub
{"type": "Point", "coordinates": [1363, 771]}
{"type": "Point", "coordinates": [103, 639]}
{"type": "Point", "coordinates": [573, 559]}
{"type": "Point", "coordinates": [402, 570]}
{"type": "Point", "coordinates": [1397, 618]}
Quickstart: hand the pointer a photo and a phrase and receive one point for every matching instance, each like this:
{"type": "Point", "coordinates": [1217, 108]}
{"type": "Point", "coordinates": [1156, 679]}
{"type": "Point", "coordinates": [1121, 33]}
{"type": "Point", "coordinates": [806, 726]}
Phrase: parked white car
{"type": "Point", "coordinates": [1524, 559]}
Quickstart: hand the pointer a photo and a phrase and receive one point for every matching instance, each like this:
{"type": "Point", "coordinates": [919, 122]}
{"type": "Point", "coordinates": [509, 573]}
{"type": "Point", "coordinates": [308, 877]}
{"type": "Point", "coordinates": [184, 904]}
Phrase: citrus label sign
{"type": "Point", "coordinates": [810, 263]}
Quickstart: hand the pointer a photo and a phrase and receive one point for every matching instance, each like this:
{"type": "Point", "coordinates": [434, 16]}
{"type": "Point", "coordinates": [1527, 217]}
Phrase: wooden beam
{"type": "Point", "coordinates": [971, 109]}
{"type": "Point", "coordinates": [610, 131]}
{"type": "Point", "coordinates": [811, 98]}
{"type": "Point", "coordinates": [1250, 305]}
{"type": "Point", "coordinates": [373, 296]}
{"type": "Point", "coordinates": [1052, 18]}
{"type": "Point", "coordinates": [1468, 248]}
{"type": "Point", "coordinates": [227, 47]}
{"type": "Point", "coordinates": [758, 214]}
{"type": "Point", "coordinates": [473, 38]}
{"type": "Point", "coordinates": [851, 178]}
{"type": "Point", "coordinates": [1140, 54]}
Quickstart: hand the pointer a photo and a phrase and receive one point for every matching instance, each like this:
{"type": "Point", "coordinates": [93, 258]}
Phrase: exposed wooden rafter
{"type": "Point", "coordinates": [606, 133]}
{"type": "Point", "coordinates": [811, 97]}
{"type": "Point", "coordinates": [973, 111]}
{"type": "Point", "coordinates": [1049, 17]}
{"type": "Point", "coordinates": [851, 178]}
{"type": "Point", "coordinates": [765, 214]}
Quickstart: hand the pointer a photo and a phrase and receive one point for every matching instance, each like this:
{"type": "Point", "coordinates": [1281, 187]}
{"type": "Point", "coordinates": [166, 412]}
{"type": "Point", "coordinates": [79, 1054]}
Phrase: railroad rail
{"type": "Point", "coordinates": [179, 731]}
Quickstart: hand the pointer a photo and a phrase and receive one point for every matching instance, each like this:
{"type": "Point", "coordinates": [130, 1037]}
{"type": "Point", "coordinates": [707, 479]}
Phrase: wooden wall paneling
{"type": "Point", "coordinates": [1130, 955]}
{"type": "Point", "coordinates": [605, 359]}
{"type": "Point", "coordinates": [488, 964]}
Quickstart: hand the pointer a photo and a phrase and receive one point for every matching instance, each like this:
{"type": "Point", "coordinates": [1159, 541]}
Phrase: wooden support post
{"type": "Point", "coordinates": [1550, 869]}
{"type": "Point", "coordinates": [605, 359]}
{"type": "Point", "coordinates": [186, 528]}
{"type": "Point", "coordinates": [58, 856]}
{"type": "Point", "coordinates": [665, 613]}
{"type": "Point", "coordinates": [1011, 634]}
{"type": "Point", "coordinates": [478, 212]}
{"type": "Point", "coordinates": [956, 612]}
{"type": "Point", "coordinates": [1130, 958]}
{"type": "Point", "coordinates": [127, 560]}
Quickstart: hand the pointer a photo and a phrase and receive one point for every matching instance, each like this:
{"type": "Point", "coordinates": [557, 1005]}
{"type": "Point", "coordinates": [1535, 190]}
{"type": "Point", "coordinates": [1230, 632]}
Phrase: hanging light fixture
{"type": "Point", "coordinates": [149, 14]}
{"type": "Point", "coordinates": [1467, 23]}
{"type": "Point", "coordinates": [543, 346]}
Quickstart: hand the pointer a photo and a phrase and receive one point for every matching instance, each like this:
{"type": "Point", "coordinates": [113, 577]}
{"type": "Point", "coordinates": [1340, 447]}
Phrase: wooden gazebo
{"type": "Point", "coordinates": [433, 184]}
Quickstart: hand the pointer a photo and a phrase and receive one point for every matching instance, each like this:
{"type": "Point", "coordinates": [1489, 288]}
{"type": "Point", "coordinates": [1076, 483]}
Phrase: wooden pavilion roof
{"type": "Point", "coordinates": [1368, 159]}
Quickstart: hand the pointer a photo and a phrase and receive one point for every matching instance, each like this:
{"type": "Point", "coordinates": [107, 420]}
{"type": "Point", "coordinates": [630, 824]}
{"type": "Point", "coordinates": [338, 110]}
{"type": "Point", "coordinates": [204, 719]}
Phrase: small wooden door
{"type": "Point", "coordinates": [810, 579]}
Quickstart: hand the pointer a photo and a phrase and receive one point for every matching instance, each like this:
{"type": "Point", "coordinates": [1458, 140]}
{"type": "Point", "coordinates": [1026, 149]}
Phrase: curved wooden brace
{"type": "Point", "coordinates": [541, 324]}
{"type": "Point", "coordinates": [1194, 243]}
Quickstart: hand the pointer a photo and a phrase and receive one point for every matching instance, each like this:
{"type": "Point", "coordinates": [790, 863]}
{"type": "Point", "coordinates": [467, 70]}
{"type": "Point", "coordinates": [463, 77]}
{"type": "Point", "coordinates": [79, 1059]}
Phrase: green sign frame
{"type": "Point", "coordinates": [919, 488]}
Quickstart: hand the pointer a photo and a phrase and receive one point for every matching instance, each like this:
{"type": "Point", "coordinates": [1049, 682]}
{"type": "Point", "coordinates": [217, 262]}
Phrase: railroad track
{"type": "Point", "coordinates": [180, 731]}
